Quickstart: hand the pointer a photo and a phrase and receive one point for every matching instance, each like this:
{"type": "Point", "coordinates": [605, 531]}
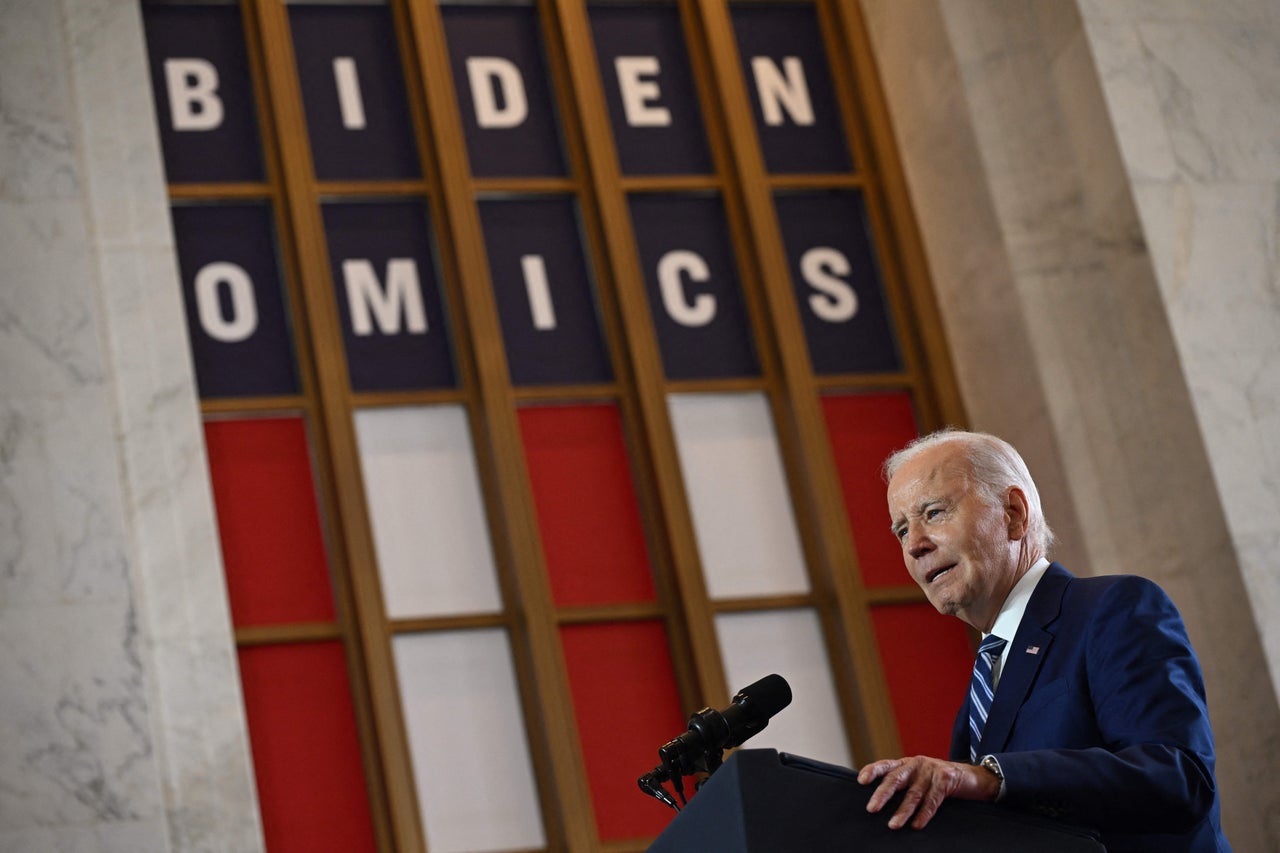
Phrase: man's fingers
{"type": "Point", "coordinates": [928, 807]}
{"type": "Point", "coordinates": [907, 807]}
{"type": "Point", "coordinates": [875, 770]}
{"type": "Point", "coordinates": [925, 781]}
{"type": "Point", "coordinates": [896, 774]}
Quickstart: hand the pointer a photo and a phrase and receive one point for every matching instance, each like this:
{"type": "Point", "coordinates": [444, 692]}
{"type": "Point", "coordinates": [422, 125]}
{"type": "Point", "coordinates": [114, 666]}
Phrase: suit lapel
{"type": "Point", "coordinates": [1031, 645]}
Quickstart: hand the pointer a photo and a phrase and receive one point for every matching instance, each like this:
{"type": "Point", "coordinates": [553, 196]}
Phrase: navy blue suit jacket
{"type": "Point", "coordinates": [1099, 716]}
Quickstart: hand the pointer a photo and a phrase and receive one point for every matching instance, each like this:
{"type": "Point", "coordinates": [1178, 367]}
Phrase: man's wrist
{"type": "Point", "coordinates": [992, 765]}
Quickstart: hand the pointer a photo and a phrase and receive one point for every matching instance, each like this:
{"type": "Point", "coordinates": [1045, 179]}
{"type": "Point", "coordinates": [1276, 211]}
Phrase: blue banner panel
{"type": "Point", "coordinates": [384, 279]}
{"type": "Point", "coordinates": [653, 100]}
{"type": "Point", "coordinates": [692, 283]}
{"type": "Point", "coordinates": [543, 288]}
{"type": "Point", "coordinates": [354, 93]}
{"type": "Point", "coordinates": [788, 78]}
{"type": "Point", "coordinates": [235, 307]}
{"type": "Point", "coordinates": [508, 111]}
{"type": "Point", "coordinates": [838, 285]}
{"type": "Point", "coordinates": [204, 98]}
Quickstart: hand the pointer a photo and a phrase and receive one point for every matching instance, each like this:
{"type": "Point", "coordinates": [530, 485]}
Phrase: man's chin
{"type": "Point", "coordinates": [946, 607]}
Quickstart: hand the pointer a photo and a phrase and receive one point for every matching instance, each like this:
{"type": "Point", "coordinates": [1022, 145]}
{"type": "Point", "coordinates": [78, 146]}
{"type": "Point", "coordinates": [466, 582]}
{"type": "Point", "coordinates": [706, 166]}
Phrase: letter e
{"type": "Point", "coordinates": [637, 93]}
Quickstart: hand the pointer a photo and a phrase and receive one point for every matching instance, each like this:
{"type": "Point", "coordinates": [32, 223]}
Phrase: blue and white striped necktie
{"type": "Point", "coordinates": [982, 690]}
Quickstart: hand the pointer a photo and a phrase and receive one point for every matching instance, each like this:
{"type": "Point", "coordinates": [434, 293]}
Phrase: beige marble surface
{"type": "Point", "coordinates": [120, 715]}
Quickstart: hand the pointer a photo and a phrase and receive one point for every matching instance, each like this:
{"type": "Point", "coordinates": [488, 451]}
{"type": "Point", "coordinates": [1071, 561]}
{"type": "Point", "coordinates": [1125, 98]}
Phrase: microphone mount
{"type": "Point", "coordinates": [700, 749]}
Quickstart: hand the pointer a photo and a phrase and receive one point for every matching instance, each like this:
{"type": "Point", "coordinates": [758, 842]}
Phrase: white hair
{"type": "Point", "coordinates": [995, 466]}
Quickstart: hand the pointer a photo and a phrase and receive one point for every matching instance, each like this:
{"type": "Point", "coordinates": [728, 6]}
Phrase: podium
{"type": "Point", "coordinates": [763, 801]}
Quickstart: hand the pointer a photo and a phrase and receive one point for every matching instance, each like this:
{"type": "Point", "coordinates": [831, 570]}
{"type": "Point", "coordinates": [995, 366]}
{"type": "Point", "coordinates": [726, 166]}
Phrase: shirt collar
{"type": "Point", "coordinates": [1015, 605]}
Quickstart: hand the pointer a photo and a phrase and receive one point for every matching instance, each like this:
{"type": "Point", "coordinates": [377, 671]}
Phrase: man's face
{"type": "Point", "coordinates": [958, 546]}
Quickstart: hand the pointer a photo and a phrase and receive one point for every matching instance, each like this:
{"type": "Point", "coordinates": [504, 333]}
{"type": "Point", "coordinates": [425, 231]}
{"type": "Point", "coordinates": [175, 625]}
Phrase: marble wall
{"type": "Point", "coordinates": [1194, 93]}
{"type": "Point", "coordinates": [120, 712]}
{"type": "Point", "coordinates": [1099, 220]}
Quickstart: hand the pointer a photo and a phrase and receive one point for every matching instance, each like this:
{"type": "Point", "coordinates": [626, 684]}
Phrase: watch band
{"type": "Point", "coordinates": [990, 762]}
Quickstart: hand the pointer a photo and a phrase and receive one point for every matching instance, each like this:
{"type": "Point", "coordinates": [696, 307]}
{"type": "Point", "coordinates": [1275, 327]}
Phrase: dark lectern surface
{"type": "Point", "coordinates": [762, 801]}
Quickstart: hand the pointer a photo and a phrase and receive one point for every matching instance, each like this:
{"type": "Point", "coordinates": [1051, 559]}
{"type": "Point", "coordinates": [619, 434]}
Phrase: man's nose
{"type": "Point", "coordinates": [918, 544]}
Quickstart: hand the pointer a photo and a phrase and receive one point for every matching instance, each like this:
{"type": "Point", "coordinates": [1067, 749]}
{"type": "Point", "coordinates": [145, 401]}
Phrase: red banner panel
{"type": "Point", "coordinates": [627, 705]}
{"type": "Point", "coordinates": [592, 535]}
{"type": "Point", "coordinates": [272, 545]}
{"type": "Point", "coordinates": [306, 755]}
{"type": "Point", "coordinates": [927, 658]}
{"type": "Point", "coordinates": [864, 429]}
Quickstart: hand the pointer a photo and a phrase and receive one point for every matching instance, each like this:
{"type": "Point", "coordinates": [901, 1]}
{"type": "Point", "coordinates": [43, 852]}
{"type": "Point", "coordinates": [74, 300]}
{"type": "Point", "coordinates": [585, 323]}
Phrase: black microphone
{"type": "Point", "coordinates": [710, 732]}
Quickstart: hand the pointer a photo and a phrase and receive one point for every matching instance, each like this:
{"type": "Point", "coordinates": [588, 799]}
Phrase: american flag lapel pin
{"type": "Point", "coordinates": [1033, 650]}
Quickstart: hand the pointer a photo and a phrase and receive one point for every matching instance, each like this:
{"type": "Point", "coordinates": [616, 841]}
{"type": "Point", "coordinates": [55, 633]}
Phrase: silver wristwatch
{"type": "Point", "coordinates": [990, 763]}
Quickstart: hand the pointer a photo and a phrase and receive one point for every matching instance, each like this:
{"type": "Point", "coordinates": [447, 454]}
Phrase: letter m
{"type": "Point", "coordinates": [370, 302]}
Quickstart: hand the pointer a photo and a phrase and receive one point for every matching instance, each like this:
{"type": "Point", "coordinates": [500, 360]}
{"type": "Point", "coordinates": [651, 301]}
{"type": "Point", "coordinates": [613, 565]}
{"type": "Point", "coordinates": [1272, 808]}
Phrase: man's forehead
{"type": "Point", "coordinates": [926, 475]}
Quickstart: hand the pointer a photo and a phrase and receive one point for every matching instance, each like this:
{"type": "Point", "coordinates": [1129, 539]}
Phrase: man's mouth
{"type": "Point", "coordinates": [937, 573]}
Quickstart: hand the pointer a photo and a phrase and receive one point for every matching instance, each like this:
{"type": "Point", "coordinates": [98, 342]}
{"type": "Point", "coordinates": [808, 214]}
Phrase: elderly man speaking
{"type": "Point", "coordinates": [1086, 701]}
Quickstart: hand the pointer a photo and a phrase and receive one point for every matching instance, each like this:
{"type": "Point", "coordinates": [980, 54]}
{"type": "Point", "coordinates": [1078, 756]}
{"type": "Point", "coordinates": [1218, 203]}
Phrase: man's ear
{"type": "Point", "coordinates": [1017, 513]}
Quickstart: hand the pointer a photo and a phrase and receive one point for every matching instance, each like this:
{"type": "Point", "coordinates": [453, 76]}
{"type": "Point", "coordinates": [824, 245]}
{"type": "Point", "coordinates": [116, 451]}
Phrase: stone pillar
{"type": "Point", "coordinates": [120, 713]}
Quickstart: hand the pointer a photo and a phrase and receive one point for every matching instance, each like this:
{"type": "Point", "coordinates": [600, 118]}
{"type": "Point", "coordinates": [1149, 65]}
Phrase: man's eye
{"type": "Point", "coordinates": [932, 513]}
{"type": "Point", "coordinates": [900, 532]}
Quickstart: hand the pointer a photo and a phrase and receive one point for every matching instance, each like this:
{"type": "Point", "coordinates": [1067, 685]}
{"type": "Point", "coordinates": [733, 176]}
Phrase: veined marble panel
{"type": "Point", "coordinates": [120, 716]}
{"type": "Point", "coordinates": [1219, 247]}
{"type": "Point", "coordinates": [39, 156]}
{"type": "Point", "coordinates": [1186, 11]}
{"type": "Point", "coordinates": [121, 837]}
{"type": "Point", "coordinates": [1218, 86]}
{"type": "Point", "coordinates": [73, 719]}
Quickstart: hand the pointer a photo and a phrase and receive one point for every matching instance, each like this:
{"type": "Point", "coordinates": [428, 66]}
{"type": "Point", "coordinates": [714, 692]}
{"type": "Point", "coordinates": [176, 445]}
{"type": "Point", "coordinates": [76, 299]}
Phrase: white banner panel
{"type": "Point", "coordinates": [738, 494]}
{"type": "Point", "coordinates": [471, 763]}
{"type": "Point", "coordinates": [788, 642]}
{"type": "Point", "coordinates": [429, 528]}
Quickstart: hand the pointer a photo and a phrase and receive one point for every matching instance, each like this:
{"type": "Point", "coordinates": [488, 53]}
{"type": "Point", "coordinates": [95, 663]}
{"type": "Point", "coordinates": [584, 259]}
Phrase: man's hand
{"type": "Point", "coordinates": [927, 782]}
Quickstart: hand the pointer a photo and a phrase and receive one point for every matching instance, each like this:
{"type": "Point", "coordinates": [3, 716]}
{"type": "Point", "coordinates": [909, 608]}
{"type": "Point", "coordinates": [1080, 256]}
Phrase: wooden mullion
{"type": "Point", "coordinates": [735, 385]}
{"type": "Point", "coordinates": [858, 675]}
{"type": "Point", "coordinates": [371, 189]}
{"type": "Point", "coordinates": [523, 186]}
{"type": "Point", "coordinates": [865, 382]}
{"type": "Point", "coordinates": [385, 399]}
{"type": "Point", "coordinates": [700, 671]}
{"type": "Point", "coordinates": [910, 293]}
{"type": "Point", "coordinates": [456, 622]}
{"type": "Point", "coordinates": [385, 748]}
{"type": "Point", "coordinates": [234, 406]}
{"type": "Point", "coordinates": [755, 604]}
{"type": "Point", "coordinates": [567, 815]}
{"type": "Point", "coordinates": [670, 183]}
{"type": "Point", "coordinates": [560, 393]}
{"type": "Point", "coordinates": [602, 613]}
{"type": "Point", "coordinates": [795, 181]}
{"type": "Point", "coordinates": [218, 192]}
{"type": "Point", "coordinates": [297, 632]}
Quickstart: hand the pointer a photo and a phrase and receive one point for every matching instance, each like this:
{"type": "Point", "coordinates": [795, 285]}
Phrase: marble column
{"type": "Point", "coordinates": [1084, 306]}
{"type": "Point", "coordinates": [1193, 89]}
{"type": "Point", "coordinates": [120, 713]}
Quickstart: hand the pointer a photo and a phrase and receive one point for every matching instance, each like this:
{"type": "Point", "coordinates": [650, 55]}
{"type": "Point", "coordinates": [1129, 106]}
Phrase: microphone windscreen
{"type": "Point", "coordinates": [767, 696]}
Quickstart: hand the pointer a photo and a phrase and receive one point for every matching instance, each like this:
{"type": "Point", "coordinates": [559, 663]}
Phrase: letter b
{"type": "Point", "coordinates": [193, 100]}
